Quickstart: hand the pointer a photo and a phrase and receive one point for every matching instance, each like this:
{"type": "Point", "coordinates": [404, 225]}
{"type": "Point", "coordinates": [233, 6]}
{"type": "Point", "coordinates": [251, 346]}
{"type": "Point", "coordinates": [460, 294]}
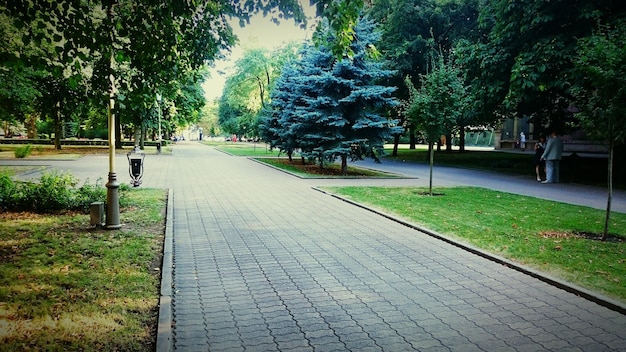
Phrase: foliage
{"type": "Point", "coordinates": [439, 102]}
{"type": "Point", "coordinates": [53, 193]}
{"type": "Point", "coordinates": [524, 65]}
{"type": "Point", "coordinates": [331, 108]}
{"type": "Point", "coordinates": [342, 18]}
{"type": "Point", "coordinates": [602, 66]}
{"type": "Point", "coordinates": [122, 48]}
{"type": "Point", "coordinates": [23, 151]}
{"type": "Point", "coordinates": [556, 238]}
{"type": "Point", "coordinates": [247, 92]}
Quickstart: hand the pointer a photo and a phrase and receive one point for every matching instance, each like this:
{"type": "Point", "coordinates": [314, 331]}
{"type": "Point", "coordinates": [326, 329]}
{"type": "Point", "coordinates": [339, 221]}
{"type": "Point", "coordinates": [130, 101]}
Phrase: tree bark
{"type": "Point", "coordinates": [607, 218]}
{"type": "Point", "coordinates": [396, 142]}
{"type": "Point", "coordinates": [58, 130]}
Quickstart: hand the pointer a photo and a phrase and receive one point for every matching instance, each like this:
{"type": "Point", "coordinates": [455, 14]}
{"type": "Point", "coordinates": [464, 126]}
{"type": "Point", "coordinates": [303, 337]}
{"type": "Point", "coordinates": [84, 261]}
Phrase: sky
{"type": "Point", "coordinates": [261, 32]}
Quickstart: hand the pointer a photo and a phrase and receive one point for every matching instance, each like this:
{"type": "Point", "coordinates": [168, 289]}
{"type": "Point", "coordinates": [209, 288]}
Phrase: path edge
{"type": "Point", "coordinates": [595, 297]}
{"type": "Point", "coordinates": [164, 342]}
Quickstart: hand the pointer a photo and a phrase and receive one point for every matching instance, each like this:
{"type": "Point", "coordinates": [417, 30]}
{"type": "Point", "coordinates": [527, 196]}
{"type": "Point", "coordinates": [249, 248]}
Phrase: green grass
{"type": "Point", "coordinates": [329, 171]}
{"type": "Point", "coordinates": [65, 286]}
{"type": "Point", "coordinates": [13, 170]}
{"type": "Point", "coordinates": [244, 149]}
{"type": "Point", "coordinates": [549, 236]}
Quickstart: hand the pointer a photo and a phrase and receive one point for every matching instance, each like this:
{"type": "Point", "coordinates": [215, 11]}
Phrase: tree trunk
{"type": "Point", "coordinates": [462, 139]}
{"type": "Point", "coordinates": [448, 142]}
{"type": "Point", "coordinates": [142, 139]}
{"type": "Point", "coordinates": [610, 191]}
{"type": "Point", "coordinates": [396, 142]}
{"type": "Point", "coordinates": [118, 133]}
{"type": "Point", "coordinates": [58, 130]}
{"type": "Point", "coordinates": [32, 126]}
{"type": "Point", "coordinates": [431, 152]}
{"type": "Point", "coordinates": [412, 137]}
{"type": "Point", "coordinates": [344, 165]}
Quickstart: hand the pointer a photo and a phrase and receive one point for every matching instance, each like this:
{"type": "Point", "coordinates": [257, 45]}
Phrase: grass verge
{"type": "Point", "coordinates": [7, 151]}
{"type": "Point", "coordinates": [245, 149]}
{"type": "Point", "coordinates": [329, 171]}
{"type": "Point", "coordinates": [65, 286]}
{"type": "Point", "coordinates": [555, 238]}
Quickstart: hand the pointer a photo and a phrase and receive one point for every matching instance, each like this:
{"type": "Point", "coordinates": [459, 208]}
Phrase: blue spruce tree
{"type": "Point", "coordinates": [329, 108]}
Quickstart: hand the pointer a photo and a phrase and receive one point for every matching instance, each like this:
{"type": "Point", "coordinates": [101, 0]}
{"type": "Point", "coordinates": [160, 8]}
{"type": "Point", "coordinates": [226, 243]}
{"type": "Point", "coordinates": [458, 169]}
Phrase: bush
{"type": "Point", "coordinates": [53, 193]}
{"type": "Point", "coordinates": [23, 151]}
{"type": "Point", "coordinates": [7, 191]}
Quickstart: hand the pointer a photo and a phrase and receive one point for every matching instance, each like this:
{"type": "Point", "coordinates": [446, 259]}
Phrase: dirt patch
{"type": "Point", "coordinates": [581, 234]}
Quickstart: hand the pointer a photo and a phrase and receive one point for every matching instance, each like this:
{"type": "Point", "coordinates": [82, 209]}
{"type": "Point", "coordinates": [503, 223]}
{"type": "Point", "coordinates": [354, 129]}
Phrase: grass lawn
{"type": "Point", "coordinates": [556, 238]}
{"type": "Point", "coordinates": [13, 170]}
{"type": "Point", "coordinates": [329, 171]}
{"type": "Point", "coordinates": [7, 151]}
{"type": "Point", "coordinates": [244, 149]}
{"type": "Point", "coordinates": [65, 286]}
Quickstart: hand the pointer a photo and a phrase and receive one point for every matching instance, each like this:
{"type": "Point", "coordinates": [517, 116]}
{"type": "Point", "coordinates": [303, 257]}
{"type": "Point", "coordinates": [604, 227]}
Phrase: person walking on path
{"type": "Point", "coordinates": [552, 156]}
{"type": "Point", "coordinates": [540, 165]}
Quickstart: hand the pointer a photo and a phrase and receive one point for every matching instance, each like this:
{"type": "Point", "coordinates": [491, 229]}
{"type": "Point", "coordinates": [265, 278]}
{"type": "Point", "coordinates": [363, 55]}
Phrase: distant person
{"type": "Point", "coordinates": [522, 141]}
{"type": "Point", "coordinates": [552, 156]}
{"type": "Point", "coordinates": [540, 164]}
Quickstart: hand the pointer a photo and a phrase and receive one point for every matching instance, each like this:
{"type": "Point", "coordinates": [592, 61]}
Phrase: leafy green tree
{"type": "Point", "coordinates": [412, 29]}
{"type": "Point", "coordinates": [437, 104]}
{"type": "Point", "coordinates": [155, 43]}
{"type": "Point", "coordinates": [602, 67]}
{"type": "Point", "coordinates": [524, 65]}
{"type": "Point", "coordinates": [247, 91]}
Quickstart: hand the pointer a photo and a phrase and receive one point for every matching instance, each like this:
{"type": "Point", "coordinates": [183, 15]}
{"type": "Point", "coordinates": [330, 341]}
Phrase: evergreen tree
{"type": "Point", "coordinates": [332, 106]}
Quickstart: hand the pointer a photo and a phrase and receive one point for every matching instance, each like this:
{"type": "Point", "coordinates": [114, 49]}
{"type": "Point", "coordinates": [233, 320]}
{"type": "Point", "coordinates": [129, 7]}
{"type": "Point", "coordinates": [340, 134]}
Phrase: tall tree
{"type": "Point", "coordinates": [412, 29]}
{"type": "Point", "coordinates": [602, 67]}
{"type": "Point", "coordinates": [247, 91]}
{"type": "Point", "coordinates": [437, 104]}
{"type": "Point", "coordinates": [525, 62]}
{"type": "Point", "coordinates": [334, 110]}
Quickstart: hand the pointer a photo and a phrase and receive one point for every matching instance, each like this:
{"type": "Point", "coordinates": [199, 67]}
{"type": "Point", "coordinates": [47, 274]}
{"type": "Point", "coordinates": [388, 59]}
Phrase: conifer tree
{"type": "Point", "coordinates": [332, 106]}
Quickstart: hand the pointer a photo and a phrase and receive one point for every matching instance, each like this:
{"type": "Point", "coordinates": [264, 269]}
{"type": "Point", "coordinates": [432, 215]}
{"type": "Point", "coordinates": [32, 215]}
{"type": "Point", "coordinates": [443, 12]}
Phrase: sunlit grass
{"type": "Point", "coordinates": [65, 286]}
{"type": "Point", "coordinates": [311, 170]}
{"type": "Point", "coordinates": [550, 236]}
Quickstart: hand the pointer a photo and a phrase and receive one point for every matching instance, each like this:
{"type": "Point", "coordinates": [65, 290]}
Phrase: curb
{"type": "Point", "coordinates": [165, 340]}
{"type": "Point", "coordinates": [597, 298]}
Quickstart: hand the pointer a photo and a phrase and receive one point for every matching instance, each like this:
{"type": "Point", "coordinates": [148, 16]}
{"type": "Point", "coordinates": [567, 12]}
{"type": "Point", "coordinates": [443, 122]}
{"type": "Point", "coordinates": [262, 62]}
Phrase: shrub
{"type": "Point", "coordinates": [54, 192]}
{"type": "Point", "coordinates": [89, 193]}
{"type": "Point", "coordinates": [7, 191]}
{"type": "Point", "coordinates": [23, 151]}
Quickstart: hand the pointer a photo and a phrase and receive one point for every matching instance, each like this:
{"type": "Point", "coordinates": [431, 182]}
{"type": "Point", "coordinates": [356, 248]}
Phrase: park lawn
{"type": "Point", "coordinates": [555, 238]}
{"type": "Point", "coordinates": [13, 170]}
{"type": "Point", "coordinates": [66, 286]}
{"type": "Point", "coordinates": [515, 163]}
{"type": "Point", "coordinates": [333, 170]}
{"type": "Point", "coordinates": [245, 149]}
{"type": "Point", "coordinates": [7, 151]}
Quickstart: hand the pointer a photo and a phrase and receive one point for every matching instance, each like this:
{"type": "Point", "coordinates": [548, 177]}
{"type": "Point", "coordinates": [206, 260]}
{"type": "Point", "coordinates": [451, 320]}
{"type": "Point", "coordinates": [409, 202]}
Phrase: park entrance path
{"type": "Point", "coordinates": [262, 262]}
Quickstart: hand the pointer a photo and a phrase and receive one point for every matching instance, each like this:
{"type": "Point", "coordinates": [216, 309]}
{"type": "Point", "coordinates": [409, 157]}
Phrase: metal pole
{"type": "Point", "coordinates": [158, 97]}
{"type": "Point", "coordinates": [113, 199]}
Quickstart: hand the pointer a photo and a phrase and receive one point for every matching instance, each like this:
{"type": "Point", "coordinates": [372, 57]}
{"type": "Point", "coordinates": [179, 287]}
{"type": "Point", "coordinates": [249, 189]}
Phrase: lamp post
{"type": "Point", "coordinates": [158, 99]}
{"type": "Point", "coordinates": [113, 198]}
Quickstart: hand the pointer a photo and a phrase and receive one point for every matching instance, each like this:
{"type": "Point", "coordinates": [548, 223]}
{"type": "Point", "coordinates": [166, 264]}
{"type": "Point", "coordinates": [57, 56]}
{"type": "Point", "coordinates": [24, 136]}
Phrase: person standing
{"type": "Point", "coordinates": [522, 141]}
{"type": "Point", "coordinates": [552, 156]}
{"type": "Point", "coordinates": [540, 164]}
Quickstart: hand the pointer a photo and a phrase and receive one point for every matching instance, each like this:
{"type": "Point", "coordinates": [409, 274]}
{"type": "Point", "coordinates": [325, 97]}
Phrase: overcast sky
{"type": "Point", "coordinates": [261, 32]}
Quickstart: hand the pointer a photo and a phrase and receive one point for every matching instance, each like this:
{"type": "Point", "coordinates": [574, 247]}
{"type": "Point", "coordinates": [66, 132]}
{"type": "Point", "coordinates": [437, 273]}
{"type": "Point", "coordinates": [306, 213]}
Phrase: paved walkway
{"type": "Point", "coordinates": [261, 262]}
